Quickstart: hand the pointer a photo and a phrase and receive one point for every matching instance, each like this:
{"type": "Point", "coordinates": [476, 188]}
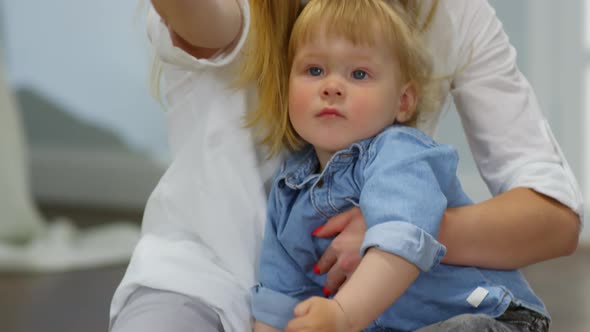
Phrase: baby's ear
{"type": "Point", "coordinates": [407, 103]}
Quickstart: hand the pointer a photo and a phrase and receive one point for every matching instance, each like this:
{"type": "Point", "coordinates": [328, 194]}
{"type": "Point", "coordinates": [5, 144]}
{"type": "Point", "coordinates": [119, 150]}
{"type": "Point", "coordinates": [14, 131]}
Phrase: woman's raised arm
{"type": "Point", "coordinates": [198, 24]}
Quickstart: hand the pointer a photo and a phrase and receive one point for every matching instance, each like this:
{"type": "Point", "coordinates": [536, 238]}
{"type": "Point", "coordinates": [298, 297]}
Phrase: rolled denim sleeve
{"type": "Point", "coordinates": [405, 240]}
{"type": "Point", "coordinates": [272, 307]}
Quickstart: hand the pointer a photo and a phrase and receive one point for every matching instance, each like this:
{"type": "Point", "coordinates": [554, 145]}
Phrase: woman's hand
{"type": "Point", "coordinates": [343, 255]}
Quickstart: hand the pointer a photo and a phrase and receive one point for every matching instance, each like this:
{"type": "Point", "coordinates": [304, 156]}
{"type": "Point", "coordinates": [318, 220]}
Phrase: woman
{"type": "Point", "coordinates": [195, 262]}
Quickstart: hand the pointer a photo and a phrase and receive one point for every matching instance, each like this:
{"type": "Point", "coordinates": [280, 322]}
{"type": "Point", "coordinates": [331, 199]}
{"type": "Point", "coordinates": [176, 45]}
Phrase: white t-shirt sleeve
{"type": "Point", "coordinates": [161, 41]}
{"type": "Point", "coordinates": [509, 137]}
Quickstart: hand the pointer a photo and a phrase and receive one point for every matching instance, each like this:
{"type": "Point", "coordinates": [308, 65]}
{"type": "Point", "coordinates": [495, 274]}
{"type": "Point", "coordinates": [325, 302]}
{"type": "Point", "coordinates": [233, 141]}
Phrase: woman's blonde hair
{"type": "Point", "coordinates": [358, 21]}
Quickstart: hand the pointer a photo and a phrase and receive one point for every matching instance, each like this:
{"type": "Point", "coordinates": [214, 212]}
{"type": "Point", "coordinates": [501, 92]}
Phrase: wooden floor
{"type": "Point", "coordinates": [79, 301]}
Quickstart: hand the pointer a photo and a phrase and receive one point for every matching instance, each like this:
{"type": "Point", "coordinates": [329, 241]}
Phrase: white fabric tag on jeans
{"type": "Point", "coordinates": [477, 296]}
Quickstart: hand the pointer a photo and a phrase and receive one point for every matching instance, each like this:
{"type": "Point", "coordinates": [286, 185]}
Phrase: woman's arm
{"type": "Point", "coordinates": [531, 218]}
{"type": "Point", "coordinates": [201, 24]}
{"type": "Point", "coordinates": [517, 228]}
{"type": "Point", "coordinates": [514, 229]}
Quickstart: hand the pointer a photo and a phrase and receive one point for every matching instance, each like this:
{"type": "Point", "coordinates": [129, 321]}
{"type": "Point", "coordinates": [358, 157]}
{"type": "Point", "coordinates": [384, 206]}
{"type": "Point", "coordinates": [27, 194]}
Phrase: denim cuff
{"type": "Point", "coordinates": [271, 307]}
{"type": "Point", "coordinates": [407, 241]}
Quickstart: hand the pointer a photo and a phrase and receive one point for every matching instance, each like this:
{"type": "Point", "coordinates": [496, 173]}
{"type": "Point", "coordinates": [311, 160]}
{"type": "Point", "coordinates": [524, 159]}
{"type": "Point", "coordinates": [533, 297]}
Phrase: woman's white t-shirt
{"type": "Point", "coordinates": [203, 223]}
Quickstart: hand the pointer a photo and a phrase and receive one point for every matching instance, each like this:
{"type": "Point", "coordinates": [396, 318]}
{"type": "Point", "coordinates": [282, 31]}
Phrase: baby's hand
{"type": "Point", "coordinates": [318, 314]}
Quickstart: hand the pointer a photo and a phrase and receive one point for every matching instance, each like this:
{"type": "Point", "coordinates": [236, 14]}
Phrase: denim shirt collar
{"type": "Point", "coordinates": [301, 167]}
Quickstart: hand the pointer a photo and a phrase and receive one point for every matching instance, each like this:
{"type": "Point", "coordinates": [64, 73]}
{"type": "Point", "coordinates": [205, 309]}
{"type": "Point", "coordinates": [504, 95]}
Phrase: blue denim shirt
{"type": "Point", "coordinates": [403, 181]}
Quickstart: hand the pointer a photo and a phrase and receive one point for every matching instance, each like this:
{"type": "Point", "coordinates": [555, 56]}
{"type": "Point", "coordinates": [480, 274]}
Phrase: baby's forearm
{"type": "Point", "coordinates": [213, 24]}
{"type": "Point", "coordinates": [380, 279]}
{"type": "Point", "coordinates": [261, 327]}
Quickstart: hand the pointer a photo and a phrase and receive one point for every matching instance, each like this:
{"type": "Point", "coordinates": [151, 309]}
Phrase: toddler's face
{"type": "Point", "coordinates": [340, 93]}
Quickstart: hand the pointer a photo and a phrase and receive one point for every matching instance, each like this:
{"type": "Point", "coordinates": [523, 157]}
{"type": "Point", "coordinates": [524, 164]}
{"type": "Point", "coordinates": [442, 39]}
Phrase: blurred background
{"type": "Point", "coordinates": [96, 143]}
{"type": "Point", "coordinates": [80, 70]}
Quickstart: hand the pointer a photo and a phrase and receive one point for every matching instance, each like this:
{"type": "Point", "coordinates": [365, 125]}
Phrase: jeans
{"type": "Point", "coordinates": [515, 319]}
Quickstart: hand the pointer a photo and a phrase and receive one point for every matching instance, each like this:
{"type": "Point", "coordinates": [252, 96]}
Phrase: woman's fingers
{"type": "Point", "coordinates": [349, 261]}
{"type": "Point", "coordinates": [327, 261]}
{"type": "Point", "coordinates": [350, 228]}
{"type": "Point", "coordinates": [336, 277]}
{"type": "Point", "coordinates": [336, 224]}
{"type": "Point", "coordinates": [338, 269]}
{"type": "Point", "coordinates": [343, 255]}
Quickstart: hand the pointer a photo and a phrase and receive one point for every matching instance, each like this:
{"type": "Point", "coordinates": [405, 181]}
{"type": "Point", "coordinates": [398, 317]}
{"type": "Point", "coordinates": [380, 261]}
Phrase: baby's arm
{"type": "Point", "coordinates": [367, 294]}
{"type": "Point", "coordinates": [211, 24]}
{"type": "Point", "coordinates": [261, 327]}
{"type": "Point", "coordinates": [370, 290]}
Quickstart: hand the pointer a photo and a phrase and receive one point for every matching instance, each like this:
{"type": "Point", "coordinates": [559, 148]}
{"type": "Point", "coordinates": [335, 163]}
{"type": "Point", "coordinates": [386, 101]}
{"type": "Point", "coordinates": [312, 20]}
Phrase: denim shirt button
{"type": "Point", "coordinates": [320, 183]}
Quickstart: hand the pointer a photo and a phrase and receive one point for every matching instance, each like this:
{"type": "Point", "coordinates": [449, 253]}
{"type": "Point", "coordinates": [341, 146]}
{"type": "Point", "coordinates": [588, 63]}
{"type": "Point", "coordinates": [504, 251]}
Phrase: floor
{"type": "Point", "coordinates": [79, 301]}
{"type": "Point", "coordinates": [564, 286]}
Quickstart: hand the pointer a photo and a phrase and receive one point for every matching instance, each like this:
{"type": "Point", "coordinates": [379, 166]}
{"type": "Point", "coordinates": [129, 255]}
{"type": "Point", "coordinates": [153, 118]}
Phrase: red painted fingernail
{"type": "Point", "coordinates": [316, 269]}
{"type": "Point", "coordinates": [317, 230]}
{"type": "Point", "coordinates": [326, 291]}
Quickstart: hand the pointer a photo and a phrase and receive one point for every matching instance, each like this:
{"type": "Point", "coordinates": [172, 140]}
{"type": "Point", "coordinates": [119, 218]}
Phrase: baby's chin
{"type": "Point", "coordinates": [333, 146]}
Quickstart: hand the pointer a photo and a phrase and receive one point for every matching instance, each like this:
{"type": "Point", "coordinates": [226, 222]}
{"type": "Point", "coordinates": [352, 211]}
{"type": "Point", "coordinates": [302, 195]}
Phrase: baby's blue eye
{"type": "Point", "coordinates": [315, 71]}
{"type": "Point", "coordinates": [359, 74]}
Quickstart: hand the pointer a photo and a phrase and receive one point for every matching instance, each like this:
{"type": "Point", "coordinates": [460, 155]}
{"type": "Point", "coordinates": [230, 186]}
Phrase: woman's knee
{"type": "Point", "coordinates": [151, 310]}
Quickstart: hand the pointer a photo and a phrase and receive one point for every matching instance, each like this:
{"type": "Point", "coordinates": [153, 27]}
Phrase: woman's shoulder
{"type": "Point", "coordinates": [448, 29]}
{"type": "Point", "coordinates": [455, 10]}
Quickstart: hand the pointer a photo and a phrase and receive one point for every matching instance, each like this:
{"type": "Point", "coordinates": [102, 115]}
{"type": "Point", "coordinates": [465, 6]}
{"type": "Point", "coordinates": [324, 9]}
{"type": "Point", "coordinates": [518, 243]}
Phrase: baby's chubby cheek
{"type": "Point", "coordinates": [300, 103]}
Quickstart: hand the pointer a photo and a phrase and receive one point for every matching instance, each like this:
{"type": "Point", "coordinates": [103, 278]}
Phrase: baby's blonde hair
{"type": "Point", "coordinates": [359, 21]}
